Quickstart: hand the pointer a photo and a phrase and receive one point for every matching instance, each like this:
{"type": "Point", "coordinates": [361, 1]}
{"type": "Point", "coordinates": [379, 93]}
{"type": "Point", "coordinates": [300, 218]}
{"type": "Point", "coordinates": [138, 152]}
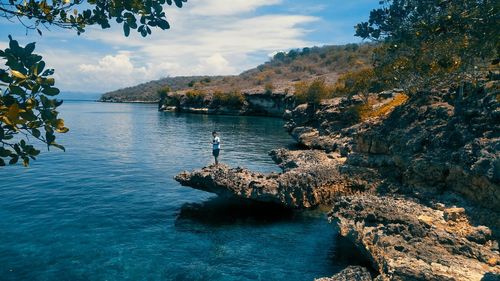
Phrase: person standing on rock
{"type": "Point", "coordinates": [215, 147]}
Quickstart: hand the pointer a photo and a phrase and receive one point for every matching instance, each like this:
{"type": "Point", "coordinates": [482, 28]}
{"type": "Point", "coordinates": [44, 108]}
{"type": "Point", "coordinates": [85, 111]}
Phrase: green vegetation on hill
{"type": "Point", "coordinates": [433, 44]}
{"type": "Point", "coordinates": [277, 75]}
{"type": "Point", "coordinates": [148, 92]}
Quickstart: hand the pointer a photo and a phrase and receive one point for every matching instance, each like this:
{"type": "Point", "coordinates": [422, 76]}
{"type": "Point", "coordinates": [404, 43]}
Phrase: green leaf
{"type": "Point", "coordinates": [58, 146]}
{"type": "Point", "coordinates": [29, 48]}
{"type": "Point", "coordinates": [39, 67]}
{"type": "Point", "coordinates": [5, 152]}
{"type": "Point", "coordinates": [36, 133]}
{"type": "Point", "coordinates": [14, 47]}
{"type": "Point", "coordinates": [163, 24]}
{"type": "Point", "coordinates": [14, 159]}
{"type": "Point", "coordinates": [48, 81]}
{"type": "Point", "coordinates": [48, 72]}
{"type": "Point", "coordinates": [5, 77]}
{"type": "Point", "coordinates": [8, 137]}
{"type": "Point", "coordinates": [126, 29]}
{"type": "Point", "coordinates": [34, 152]}
{"type": "Point", "coordinates": [16, 90]}
{"type": "Point", "coordinates": [49, 91]}
{"type": "Point", "coordinates": [178, 3]}
{"type": "Point", "coordinates": [49, 137]}
{"type": "Point", "coordinates": [28, 115]}
{"type": "Point", "coordinates": [17, 148]}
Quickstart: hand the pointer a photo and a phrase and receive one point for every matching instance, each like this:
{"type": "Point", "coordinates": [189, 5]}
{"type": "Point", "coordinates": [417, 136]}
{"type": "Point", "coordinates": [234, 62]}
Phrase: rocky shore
{"type": "Point", "coordinates": [272, 104]}
{"type": "Point", "coordinates": [416, 189]}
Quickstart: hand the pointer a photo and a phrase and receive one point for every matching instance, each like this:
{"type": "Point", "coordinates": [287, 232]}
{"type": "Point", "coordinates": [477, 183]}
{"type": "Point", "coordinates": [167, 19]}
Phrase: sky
{"type": "Point", "coordinates": [207, 37]}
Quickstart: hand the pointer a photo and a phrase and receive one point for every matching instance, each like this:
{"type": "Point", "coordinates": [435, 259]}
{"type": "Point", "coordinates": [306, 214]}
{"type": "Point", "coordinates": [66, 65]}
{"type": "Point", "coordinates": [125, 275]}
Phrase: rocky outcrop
{"type": "Point", "coordinates": [268, 104]}
{"type": "Point", "coordinates": [251, 103]}
{"type": "Point", "coordinates": [433, 143]}
{"type": "Point", "coordinates": [351, 273]}
{"type": "Point", "coordinates": [406, 240]}
{"type": "Point", "coordinates": [417, 188]}
{"type": "Point", "coordinates": [309, 178]}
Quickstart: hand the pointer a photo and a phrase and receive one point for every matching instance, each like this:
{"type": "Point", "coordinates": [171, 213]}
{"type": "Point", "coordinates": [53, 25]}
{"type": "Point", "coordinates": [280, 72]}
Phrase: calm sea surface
{"type": "Point", "coordinates": [109, 209]}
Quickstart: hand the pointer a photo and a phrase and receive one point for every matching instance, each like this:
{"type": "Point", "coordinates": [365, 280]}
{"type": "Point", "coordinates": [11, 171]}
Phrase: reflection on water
{"type": "Point", "coordinates": [109, 209]}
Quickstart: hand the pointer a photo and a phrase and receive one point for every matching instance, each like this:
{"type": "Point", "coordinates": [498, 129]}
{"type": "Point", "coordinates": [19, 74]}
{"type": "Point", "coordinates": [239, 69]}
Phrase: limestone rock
{"type": "Point", "coordinates": [406, 240]}
{"type": "Point", "coordinates": [351, 273]}
{"type": "Point", "coordinates": [433, 142]}
{"type": "Point", "coordinates": [310, 178]}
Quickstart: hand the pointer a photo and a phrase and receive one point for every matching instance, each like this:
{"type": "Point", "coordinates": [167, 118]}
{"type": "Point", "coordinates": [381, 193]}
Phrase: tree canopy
{"type": "Point", "coordinates": [78, 14]}
{"type": "Point", "coordinates": [429, 43]}
{"type": "Point", "coordinates": [28, 103]}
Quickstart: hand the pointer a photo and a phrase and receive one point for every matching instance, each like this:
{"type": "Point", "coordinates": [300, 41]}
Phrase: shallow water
{"type": "Point", "coordinates": [108, 208]}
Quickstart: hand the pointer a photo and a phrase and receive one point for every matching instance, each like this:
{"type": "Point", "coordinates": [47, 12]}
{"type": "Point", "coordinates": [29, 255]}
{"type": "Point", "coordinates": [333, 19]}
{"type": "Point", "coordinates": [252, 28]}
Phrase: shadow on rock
{"type": "Point", "coordinates": [223, 211]}
{"type": "Point", "coordinates": [345, 253]}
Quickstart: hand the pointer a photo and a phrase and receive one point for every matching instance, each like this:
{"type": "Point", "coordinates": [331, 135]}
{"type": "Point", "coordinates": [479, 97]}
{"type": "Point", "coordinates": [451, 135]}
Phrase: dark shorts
{"type": "Point", "coordinates": [215, 152]}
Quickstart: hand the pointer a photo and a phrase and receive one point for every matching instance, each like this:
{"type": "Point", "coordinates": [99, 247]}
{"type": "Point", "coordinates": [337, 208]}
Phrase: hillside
{"type": "Point", "coordinates": [281, 72]}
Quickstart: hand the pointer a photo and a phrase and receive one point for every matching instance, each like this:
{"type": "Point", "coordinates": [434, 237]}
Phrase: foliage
{"type": "Point", "coordinates": [234, 99]}
{"type": "Point", "coordinates": [432, 43]}
{"type": "Point", "coordinates": [312, 93]}
{"type": "Point", "coordinates": [195, 97]}
{"type": "Point", "coordinates": [78, 14]}
{"type": "Point", "coordinates": [163, 92]}
{"type": "Point", "coordinates": [149, 91]}
{"type": "Point", "coordinates": [361, 82]}
{"type": "Point", "coordinates": [27, 108]}
{"type": "Point", "coordinates": [172, 99]}
{"type": "Point", "coordinates": [268, 88]}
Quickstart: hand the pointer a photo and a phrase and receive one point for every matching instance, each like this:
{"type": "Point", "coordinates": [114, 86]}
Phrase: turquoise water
{"type": "Point", "coordinates": [108, 208]}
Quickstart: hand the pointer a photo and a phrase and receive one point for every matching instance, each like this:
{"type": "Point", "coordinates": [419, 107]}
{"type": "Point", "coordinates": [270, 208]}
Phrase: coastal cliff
{"type": "Point", "coordinates": [249, 103]}
{"type": "Point", "coordinates": [414, 181]}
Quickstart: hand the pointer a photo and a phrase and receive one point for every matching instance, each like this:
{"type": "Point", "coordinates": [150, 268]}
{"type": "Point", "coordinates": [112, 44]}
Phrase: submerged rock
{"type": "Point", "coordinates": [351, 273]}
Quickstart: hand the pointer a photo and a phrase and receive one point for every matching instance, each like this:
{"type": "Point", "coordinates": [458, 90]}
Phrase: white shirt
{"type": "Point", "coordinates": [216, 143]}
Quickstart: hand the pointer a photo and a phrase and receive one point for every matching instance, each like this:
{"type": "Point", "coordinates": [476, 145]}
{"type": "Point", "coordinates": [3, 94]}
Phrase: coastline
{"type": "Point", "coordinates": [145, 102]}
{"type": "Point", "coordinates": [385, 184]}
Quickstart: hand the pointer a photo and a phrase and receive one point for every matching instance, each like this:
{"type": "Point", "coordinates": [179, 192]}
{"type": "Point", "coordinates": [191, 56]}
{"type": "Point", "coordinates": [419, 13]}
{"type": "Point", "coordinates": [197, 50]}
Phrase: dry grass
{"type": "Point", "coordinates": [368, 111]}
{"type": "Point", "coordinates": [282, 71]}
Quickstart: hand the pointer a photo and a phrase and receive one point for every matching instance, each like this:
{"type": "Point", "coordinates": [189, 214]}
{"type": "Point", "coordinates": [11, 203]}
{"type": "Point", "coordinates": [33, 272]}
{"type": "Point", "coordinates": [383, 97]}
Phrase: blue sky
{"type": "Point", "coordinates": [208, 37]}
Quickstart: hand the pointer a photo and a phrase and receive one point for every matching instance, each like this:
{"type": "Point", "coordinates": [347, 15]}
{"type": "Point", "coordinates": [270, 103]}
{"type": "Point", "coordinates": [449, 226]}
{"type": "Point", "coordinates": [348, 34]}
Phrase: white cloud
{"type": "Point", "coordinates": [111, 71]}
{"type": "Point", "coordinates": [119, 64]}
{"type": "Point", "coordinates": [118, 71]}
{"type": "Point", "coordinates": [224, 7]}
{"type": "Point", "coordinates": [205, 47]}
{"type": "Point", "coordinates": [215, 64]}
{"type": "Point", "coordinates": [201, 42]}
